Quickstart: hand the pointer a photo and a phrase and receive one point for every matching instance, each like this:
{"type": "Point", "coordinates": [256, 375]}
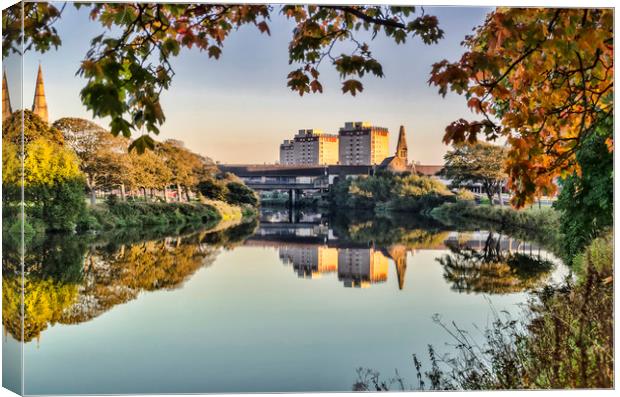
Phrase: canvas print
{"type": "Point", "coordinates": [231, 198]}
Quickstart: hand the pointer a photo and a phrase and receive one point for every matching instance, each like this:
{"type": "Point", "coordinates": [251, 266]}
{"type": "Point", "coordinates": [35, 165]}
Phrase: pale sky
{"type": "Point", "coordinates": [238, 109]}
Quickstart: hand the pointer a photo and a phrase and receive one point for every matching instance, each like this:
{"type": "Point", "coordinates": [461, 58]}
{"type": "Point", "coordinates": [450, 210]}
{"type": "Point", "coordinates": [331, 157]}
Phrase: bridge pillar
{"type": "Point", "coordinates": [292, 193]}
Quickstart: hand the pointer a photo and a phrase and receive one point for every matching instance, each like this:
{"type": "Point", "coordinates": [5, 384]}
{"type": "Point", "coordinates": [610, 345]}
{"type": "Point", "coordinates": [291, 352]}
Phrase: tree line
{"type": "Point", "coordinates": [72, 156]}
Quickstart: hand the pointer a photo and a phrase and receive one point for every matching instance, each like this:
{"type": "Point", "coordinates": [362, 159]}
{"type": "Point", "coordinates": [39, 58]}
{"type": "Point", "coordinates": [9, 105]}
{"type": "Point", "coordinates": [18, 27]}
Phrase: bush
{"type": "Point", "coordinates": [390, 192]}
{"type": "Point", "coordinates": [59, 206]}
{"type": "Point", "coordinates": [238, 193]}
{"type": "Point", "coordinates": [212, 189]}
{"type": "Point", "coordinates": [139, 214]}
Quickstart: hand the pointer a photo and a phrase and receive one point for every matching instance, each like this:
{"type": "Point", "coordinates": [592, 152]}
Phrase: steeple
{"type": "Point", "coordinates": [39, 106]}
{"type": "Point", "coordinates": [401, 148]}
{"type": "Point", "coordinates": [6, 100]}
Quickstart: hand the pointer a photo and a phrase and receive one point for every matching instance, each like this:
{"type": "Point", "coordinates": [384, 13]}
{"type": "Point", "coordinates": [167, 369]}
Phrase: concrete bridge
{"type": "Point", "coordinates": [295, 178]}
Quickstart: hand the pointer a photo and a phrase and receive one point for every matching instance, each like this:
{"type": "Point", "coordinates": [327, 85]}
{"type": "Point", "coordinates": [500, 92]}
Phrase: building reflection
{"type": "Point", "coordinates": [359, 254]}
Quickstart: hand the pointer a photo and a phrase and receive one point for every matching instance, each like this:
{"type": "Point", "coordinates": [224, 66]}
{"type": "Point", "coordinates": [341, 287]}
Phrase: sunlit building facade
{"type": "Point", "coordinates": [361, 143]}
{"type": "Point", "coordinates": [310, 147]}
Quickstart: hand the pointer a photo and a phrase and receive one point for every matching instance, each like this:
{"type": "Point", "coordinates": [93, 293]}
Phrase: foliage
{"type": "Point", "coordinates": [389, 191]}
{"type": "Point", "coordinates": [240, 194]}
{"type": "Point", "coordinates": [598, 256]}
{"type": "Point", "coordinates": [586, 200]}
{"type": "Point", "coordinates": [465, 195]}
{"type": "Point", "coordinates": [33, 127]}
{"type": "Point", "coordinates": [102, 156]}
{"type": "Point", "coordinates": [129, 65]}
{"type": "Point", "coordinates": [211, 188]}
{"type": "Point", "coordinates": [542, 78]}
{"type": "Point", "coordinates": [136, 214]}
{"type": "Point", "coordinates": [185, 166]}
{"type": "Point", "coordinates": [53, 184]}
{"type": "Point", "coordinates": [476, 163]}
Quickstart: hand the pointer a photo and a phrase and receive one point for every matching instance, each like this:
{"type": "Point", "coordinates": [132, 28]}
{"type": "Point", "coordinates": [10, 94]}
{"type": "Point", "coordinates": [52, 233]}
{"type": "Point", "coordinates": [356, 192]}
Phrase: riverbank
{"type": "Point", "coordinates": [120, 215]}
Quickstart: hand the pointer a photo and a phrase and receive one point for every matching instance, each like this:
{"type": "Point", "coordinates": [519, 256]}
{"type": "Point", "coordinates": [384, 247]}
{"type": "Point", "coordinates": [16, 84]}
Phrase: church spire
{"type": "Point", "coordinates": [401, 148]}
{"type": "Point", "coordinates": [39, 106]}
{"type": "Point", "coordinates": [6, 100]}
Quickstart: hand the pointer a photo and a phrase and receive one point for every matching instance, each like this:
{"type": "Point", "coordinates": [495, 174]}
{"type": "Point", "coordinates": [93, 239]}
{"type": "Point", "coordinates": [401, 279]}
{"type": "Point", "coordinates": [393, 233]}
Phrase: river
{"type": "Point", "coordinates": [292, 303]}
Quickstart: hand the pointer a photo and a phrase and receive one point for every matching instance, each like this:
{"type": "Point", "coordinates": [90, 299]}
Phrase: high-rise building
{"type": "Point", "coordinates": [310, 147]}
{"type": "Point", "coordinates": [287, 152]}
{"type": "Point", "coordinates": [362, 144]}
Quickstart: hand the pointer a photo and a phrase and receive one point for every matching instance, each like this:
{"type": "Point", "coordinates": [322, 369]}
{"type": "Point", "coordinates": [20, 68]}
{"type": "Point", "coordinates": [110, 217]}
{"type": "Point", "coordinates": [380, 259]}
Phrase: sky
{"type": "Point", "coordinates": [238, 109]}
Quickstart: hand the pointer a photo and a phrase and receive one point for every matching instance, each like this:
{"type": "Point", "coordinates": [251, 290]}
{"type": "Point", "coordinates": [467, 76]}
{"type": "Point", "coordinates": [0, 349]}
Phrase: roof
{"type": "Point", "coordinates": [395, 164]}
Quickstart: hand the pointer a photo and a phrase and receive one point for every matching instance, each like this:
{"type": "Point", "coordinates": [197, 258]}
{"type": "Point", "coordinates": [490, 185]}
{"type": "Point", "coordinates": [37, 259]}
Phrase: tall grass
{"type": "Point", "coordinates": [565, 342]}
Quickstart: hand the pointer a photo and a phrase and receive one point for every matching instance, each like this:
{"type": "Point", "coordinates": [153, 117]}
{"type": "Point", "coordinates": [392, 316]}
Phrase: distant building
{"type": "Point", "coordinates": [287, 152]}
{"type": "Point", "coordinates": [6, 100]}
{"type": "Point", "coordinates": [399, 162]}
{"type": "Point", "coordinates": [362, 144]}
{"type": "Point", "coordinates": [39, 104]}
{"type": "Point", "coordinates": [310, 147]}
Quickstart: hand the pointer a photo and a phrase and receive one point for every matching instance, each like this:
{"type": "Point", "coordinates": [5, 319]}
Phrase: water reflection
{"type": "Point", "coordinates": [70, 279]}
{"type": "Point", "coordinates": [358, 248]}
{"type": "Point", "coordinates": [500, 265]}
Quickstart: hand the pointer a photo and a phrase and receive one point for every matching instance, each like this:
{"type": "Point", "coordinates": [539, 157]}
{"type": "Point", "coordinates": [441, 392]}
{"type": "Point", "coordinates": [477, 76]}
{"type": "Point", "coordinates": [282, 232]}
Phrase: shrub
{"type": "Point", "coordinates": [212, 189]}
{"type": "Point", "coordinates": [392, 192]}
{"type": "Point", "coordinates": [238, 193]}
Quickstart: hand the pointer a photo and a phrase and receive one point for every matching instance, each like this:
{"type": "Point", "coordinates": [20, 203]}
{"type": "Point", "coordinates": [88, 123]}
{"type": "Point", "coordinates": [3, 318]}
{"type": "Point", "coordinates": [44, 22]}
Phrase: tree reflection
{"type": "Point", "coordinates": [492, 269]}
{"type": "Point", "coordinates": [69, 279]}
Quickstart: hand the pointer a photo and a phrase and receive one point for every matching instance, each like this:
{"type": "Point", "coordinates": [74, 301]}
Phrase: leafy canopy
{"type": "Point", "coordinates": [478, 163]}
{"type": "Point", "coordinates": [542, 78]}
{"type": "Point", "coordinates": [129, 65]}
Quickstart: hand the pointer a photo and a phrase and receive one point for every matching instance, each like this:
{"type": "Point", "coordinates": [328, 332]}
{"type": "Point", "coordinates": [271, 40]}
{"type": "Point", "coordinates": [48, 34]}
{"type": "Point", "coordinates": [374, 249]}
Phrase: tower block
{"type": "Point", "coordinates": [39, 106]}
{"type": "Point", "coordinates": [6, 100]}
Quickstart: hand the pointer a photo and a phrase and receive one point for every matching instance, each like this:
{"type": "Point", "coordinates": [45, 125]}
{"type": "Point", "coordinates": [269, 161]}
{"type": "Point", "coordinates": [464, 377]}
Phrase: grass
{"type": "Point", "coordinates": [137, 214]}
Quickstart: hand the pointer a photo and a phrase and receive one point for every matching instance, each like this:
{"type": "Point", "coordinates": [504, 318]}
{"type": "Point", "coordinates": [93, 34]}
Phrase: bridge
{"type": "Point", "coordinates": [295, 178]}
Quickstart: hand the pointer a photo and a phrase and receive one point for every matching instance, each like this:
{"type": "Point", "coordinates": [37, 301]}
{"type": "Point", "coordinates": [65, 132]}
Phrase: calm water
{"type": "Point", "coordinates": [295, 303]}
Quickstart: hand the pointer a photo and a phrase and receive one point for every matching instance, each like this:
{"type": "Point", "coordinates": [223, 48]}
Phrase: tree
{"type": "Point", "coordinates": [148, 171]}
{"type": "Point", "coordinates": [587, 198]}
{"type": "Point", "coordinates": [183, 164]}
{"type": "Point", "coordinates": [211, 188]}
{"type": "Point", "coordinates": [239, 193]}
{"type": "Point", "coordinates": [129, 65]}
{"type": "Point", "coordinates": [52, 182]}
{"type": "Point", "coordinates": [101, 154]}
{"type": "Point", "coordinates": [542, 78]}
{"type": "Point", "coordinates": [33, 127]}
{"type": "Point", "coordinates": [477, 163]}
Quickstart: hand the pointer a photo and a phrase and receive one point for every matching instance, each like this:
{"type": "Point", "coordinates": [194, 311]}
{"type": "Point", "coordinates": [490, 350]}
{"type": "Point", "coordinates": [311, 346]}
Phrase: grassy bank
{"type": "Point", "coordinates": [119, 215]}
